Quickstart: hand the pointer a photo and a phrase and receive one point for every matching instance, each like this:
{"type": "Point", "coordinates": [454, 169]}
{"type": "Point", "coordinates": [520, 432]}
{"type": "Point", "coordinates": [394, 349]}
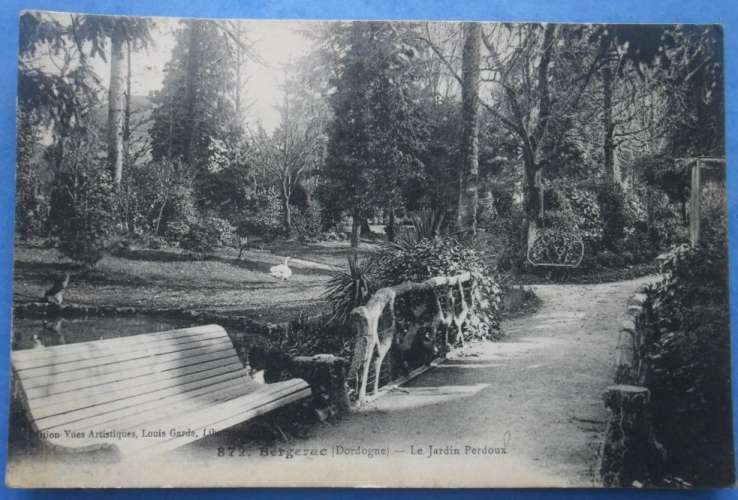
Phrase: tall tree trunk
{"type": "Point", "coordinates": [159, 216]}
{"type": "Point", "coordinates": [191, 81]}
{"type": "Point", "coordinates": [390, 229]}
{"type": "Point", "coordinates": [685, 213]}
{"type": "Point", "coordinates": [115, 104]}
{"type": "Point", "coordinates": [355, 228]}
{"type": "Point", "coordinates": [127, 111]}
{"type": "Point", "coordinates": [533, 179]}
{"type": "Point", "coordinates": [533, 200]}
{"type": "Point", "coordinates": [469, 179]}
{"type": "Point", "coordinates": [365, 229]}
{"type": "Point", "coordinates": [128, 213]}
{"type": "Point", "coordinates": [607, 126]}
{"type": "Point", "coordinates": [286, 209]}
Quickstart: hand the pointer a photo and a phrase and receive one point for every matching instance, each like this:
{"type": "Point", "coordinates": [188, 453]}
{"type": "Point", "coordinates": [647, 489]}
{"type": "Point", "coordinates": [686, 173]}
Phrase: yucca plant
{"type": "Point", "coordinates": [427, 223]}
{"type": "Point", "coordinates": [347, 289]}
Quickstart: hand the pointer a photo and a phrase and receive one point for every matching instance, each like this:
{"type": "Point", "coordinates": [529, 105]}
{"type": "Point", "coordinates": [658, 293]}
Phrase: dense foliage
{"type": "Point", "coordinates": [689, 355]}
{"type": "Point", "coordinates": [82, 213]}
{"type": "Point", "coordinates": [428, 257]}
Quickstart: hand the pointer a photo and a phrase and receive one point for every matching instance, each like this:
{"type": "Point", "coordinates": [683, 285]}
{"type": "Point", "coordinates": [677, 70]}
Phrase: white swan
{"type": "Point", "coordinates": [282, 271]}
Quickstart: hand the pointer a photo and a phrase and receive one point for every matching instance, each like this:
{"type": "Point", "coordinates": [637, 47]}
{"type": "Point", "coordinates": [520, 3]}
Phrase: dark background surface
{"type": "Point", "coordinates": [723, 12]}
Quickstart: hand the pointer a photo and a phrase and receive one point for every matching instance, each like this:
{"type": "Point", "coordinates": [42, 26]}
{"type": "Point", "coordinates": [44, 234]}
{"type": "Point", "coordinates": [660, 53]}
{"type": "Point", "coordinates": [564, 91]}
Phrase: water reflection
{"type": "Point", "coordinates": [51, 333]}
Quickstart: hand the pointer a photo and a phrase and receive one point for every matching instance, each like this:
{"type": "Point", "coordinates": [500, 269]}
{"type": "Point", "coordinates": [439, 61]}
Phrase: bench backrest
{"type": "Point", "coordinates": [93, 383]}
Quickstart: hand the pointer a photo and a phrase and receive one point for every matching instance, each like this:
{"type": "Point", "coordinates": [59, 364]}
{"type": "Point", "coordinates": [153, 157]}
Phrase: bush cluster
{"type": "Point", "coordinates": [265, 218]}
{"type": "Point", "coordinates": [689, 356]}
{"type": "Point", "coordinates": [206, 235]}
{"type": "Point", "coordinates": [81, 214]}
{"type": "Point", "coordinates": [308, 222]}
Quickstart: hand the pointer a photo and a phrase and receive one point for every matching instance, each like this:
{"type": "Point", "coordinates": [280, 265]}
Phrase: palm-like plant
{"type": "Point", "coordinates": [351, 288]}
{"type": "Point", "coordinates": [427, 223]}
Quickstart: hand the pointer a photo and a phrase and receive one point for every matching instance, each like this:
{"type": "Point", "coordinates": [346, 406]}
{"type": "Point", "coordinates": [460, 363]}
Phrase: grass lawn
{"type": "Point", "coordinates": [169, 278]}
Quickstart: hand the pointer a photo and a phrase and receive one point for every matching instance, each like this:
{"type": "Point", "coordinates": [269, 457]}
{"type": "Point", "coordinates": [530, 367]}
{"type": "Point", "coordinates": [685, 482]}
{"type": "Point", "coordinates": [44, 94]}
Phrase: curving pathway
{"type": "Point", "coordinates": [536, 394]}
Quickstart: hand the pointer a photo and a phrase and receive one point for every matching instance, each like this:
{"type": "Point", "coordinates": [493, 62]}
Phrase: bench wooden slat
{"type": "Point", "coordinates": [103, 371]}
{"type": "Point", "coordinates": [160, 346]}
{"type": "Point", "coordinates": [96, 420]}
{"type": "Point", "coordinates": [126, 361]}
{"type": "Point", "coordinates": [61, 403]}
{"type": "Point", "coordinates": [112, 402]}
{"type": "Point", "coordinates": [221, 417]}
{"type": "Point", "coordinates": [157, 414]}
{"type": "Point", "coordinates": [56, 386]}
{"type": "Point", "coordinates": [238, 409]}
{"type": "Point", "coordinates": [120, 342]}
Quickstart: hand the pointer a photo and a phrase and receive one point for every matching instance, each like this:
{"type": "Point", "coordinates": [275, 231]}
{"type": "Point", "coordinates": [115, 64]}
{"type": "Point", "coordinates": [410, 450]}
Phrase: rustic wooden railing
{"type": "Point", "coordinates": [376, 323]}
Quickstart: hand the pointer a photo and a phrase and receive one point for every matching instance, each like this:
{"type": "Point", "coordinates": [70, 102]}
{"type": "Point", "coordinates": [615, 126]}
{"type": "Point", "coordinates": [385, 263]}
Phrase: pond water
{"type": "Point", "coordinates": [29, 333]}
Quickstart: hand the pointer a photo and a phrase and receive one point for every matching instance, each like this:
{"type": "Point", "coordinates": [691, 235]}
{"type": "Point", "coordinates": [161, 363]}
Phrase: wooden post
{"type": "Point", "coordinates": [695, 209]}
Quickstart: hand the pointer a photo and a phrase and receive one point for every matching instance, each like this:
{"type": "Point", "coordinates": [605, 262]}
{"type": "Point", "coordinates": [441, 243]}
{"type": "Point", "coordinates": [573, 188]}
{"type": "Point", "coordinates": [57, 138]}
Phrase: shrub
{"type": "Point", "coordinates": [305, 336]}
{"type": "Point", "coordinates": [226, 231]}
{"type": "Point", "coordinates": [688, 348]}
{"type": "Point", "coordinates": [82, 213]}
{"type": "Point", "coordinates": [176, 231]}
{"type": "Point", "coordinates": [611, 200]}
{"type": "Point", "coordinates": [203, 238]}
{"type": "Point", "coordinates": [667, 229]}
{"type": "Point", "coordinates": [308, 222]}
{"type": "Point", "coordinates": [265, 219]}
{"type": "Point", "coordinates": [512, 253]}
{"type": "Point", "coordinates": [154, 242]}
{"type": "Point", "coordinates": [587, 215]}
{"type": "Point", "coordinates": [429, 257]}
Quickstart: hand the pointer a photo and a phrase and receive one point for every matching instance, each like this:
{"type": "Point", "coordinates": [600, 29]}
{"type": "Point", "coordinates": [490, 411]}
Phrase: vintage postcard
{"type": "Point", "coordinates": [399, 254]}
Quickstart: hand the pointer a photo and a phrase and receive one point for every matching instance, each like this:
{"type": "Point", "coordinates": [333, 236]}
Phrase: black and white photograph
{"type": "Point", "coordinates": [344, 253]}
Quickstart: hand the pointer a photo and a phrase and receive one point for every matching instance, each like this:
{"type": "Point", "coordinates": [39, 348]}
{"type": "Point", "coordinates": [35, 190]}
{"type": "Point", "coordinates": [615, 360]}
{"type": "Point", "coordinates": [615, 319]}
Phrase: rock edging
{"type": "Point", "coordinates": [630, 455]}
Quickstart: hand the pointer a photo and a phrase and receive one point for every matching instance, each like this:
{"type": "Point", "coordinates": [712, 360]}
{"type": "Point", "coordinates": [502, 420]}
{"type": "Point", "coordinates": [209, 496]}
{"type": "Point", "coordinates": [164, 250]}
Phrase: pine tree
{"type": "Point", "coordinates": [376, 131]}
{"type": "Point", "coordinates": [194, 119]}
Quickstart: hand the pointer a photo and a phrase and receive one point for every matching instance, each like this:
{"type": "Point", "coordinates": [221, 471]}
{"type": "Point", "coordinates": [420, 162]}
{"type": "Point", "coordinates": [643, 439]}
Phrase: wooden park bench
{"type": "Point", "coordinates": [142, 395]}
